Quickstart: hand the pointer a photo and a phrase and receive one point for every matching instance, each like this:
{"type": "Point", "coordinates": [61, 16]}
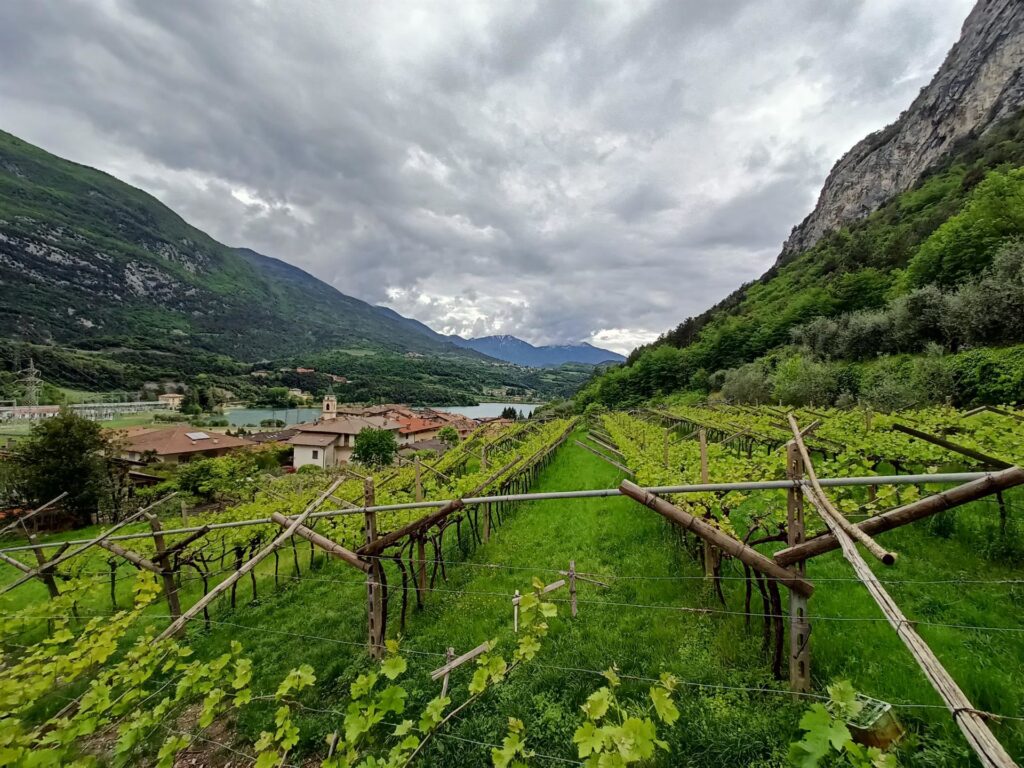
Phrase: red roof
{"type": "Point", "coordinates": [416, 425]}
{"type": "Point", "coordinates": [176, 440]}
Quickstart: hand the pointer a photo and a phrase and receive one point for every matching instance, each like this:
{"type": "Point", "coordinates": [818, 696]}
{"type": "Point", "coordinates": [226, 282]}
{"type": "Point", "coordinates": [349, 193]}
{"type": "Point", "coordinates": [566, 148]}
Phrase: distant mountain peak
{"type": "Point", "coordinates": [512, 349]}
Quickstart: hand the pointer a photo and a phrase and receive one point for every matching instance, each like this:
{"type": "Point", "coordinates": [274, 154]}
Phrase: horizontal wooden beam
{"type": "Point", "coordinates": [458, 661]}
{"type": "Point", "coordinates": [720, 539]}
{"type": "Point", "coordinates": [324, 543]}
{"type": "Point", "coordinates": [894, 518]}
{"type": "Point", "coordinates": [379, 545]}
{"type": "Point", "coordinates": [132, 557]}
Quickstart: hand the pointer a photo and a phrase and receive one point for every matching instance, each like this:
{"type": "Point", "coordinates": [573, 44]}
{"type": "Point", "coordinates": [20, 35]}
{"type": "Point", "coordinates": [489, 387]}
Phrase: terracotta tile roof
{"type": "Point", "coordinates": [176, 440]}
{"type": "Point", "coordinates": [416, 425]}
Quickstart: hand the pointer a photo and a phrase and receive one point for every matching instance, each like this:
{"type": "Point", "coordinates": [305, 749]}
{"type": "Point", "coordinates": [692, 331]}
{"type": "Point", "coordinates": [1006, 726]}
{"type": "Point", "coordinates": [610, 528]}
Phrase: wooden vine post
{"type": "Point", "coordinates": [572, 586]}
{"type": "Point", "coordinates": [799, 626]}
{"type": "Point", "coordinates": [374, 582]}
{"type": "Point", "coordinates": [419, 479]}
{"type": "Point", "coordinates": [162, 559]}
{"type": "Point", "coordinates": [710, 555]}
{"type": "Point", "coordinates": [46, 576]}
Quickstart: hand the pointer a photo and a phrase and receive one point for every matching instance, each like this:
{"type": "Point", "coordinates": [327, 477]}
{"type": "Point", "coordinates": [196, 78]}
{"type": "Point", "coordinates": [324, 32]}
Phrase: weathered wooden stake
{"type": "Point", "coordinates": [419, 480]}
{"type": "Point", "coordinates": [449, 657]}
{"type": "Point", "coordinates": [421, 567]}
{"type": "Point", "coordinates": [374, 587]}
{"type": "Point", "coordinates": [710, 553]}
{"type": "Point", "coordinates": [515, 612]}
{"type": "Point", "coordinates": [572, 587]}
{"type": "Point", "coordinates": [167, 575]}
{"type": "Point", "coordinates": [46, 576]}
{"type": "Point", "coordinates": [799, 626]}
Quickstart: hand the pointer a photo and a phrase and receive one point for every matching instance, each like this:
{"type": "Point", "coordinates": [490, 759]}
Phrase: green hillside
{"type": "Point", "coordinates": [935, 270]}
{"type": "Point", "coordinates": [91, 262]}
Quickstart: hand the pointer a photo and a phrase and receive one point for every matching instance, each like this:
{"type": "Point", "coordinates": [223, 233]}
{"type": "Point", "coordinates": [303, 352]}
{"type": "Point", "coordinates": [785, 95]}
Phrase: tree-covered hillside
{"type": "Point", "coordinates": [90, 262]}
{"type": "Point", "coordinates": [934, 270]}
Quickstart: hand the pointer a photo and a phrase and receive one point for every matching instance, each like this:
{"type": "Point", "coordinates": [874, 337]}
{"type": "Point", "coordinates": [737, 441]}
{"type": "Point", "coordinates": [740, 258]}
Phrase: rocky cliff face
{"type": "Point", "coordinates": [980, 82]}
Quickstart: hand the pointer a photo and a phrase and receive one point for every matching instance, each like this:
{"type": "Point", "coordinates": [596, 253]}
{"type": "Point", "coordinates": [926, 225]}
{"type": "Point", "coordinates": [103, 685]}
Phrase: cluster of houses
{"type": "Point", "coordinates": [326, 442]}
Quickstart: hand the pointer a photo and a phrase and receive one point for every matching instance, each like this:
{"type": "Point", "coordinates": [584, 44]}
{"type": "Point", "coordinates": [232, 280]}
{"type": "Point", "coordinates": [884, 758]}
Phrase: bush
{"type": "Point", "coordinates": [747, 384]}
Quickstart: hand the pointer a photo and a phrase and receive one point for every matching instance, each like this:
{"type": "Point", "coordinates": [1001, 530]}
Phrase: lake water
{"type": "Point", "coordinates": [241, 416]}
{"type": "Point", "coordinates": [489, 410]}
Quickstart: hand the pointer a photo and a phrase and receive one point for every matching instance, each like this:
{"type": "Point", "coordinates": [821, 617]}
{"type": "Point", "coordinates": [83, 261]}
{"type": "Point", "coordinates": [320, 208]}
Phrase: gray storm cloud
{"type": "Point", "coordinates": [561, 171]}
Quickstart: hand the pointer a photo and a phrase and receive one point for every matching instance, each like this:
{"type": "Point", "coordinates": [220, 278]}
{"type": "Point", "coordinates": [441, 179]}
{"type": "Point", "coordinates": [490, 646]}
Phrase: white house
{"type": "Point", "coordinates": [330, 443]}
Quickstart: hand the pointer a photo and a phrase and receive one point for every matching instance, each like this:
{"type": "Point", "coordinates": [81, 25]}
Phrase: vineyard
{"type": "Point", "coordinates": [513, 603]}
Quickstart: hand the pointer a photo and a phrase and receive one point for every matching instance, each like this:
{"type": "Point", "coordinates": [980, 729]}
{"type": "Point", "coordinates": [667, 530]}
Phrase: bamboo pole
{"type": "Point", "coordinates": [908, 513]}
{"type": "Point", "coordinates": [971, 722]}
{"type": "Point", "coordinates": [836, 516]}
{"type": "Point", "coordinates": [255, 560]}
{"type": "Point", "coordinates": [719, 538]}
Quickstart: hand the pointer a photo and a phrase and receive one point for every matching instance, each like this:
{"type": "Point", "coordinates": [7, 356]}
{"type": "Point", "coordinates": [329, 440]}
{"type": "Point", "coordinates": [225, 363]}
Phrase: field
{"type": "Point", "coordinates": [959, 576]}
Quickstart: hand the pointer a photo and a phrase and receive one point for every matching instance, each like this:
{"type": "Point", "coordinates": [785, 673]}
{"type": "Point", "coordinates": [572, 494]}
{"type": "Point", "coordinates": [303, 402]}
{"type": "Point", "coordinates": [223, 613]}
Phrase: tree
{"type": "Point", "coordinates": [375, 447]}
{"type": "Point", "coordinates": [509, 412]}
{"type": "Point", "coordinates": [448, 435]}
{"type": "Point", "coordinates": [64, 453]}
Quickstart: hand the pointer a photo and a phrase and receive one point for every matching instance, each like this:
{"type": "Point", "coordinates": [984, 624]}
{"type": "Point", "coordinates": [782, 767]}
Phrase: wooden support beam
{"type": "Point", "coordinates": [20, 521]}
{"type": "Point", "coordinates": [607, 459]}
{"type": "Point", "coordinates": [15, 563]}
{"type": "Point", "coordinates": [54, 562]}
{"type": "Point", "coordinates": [942, 442]}
{"type": "Point", "coordinates": [249, 565]}
{"type": "Point", "coordinates": [163, 557]}
{"type": "Point", "coordinates": [894, 518]}
{"type": "Point", "coordinates": [331, 547]}
{"type": "Point", "coordinates": [179, 546]}
{"type": "Point", "coordinates": [132, 557]}
{"type": "Point", "coordinates": [437, 472]}
{"type": "Point", "coordinates": [458, 661]}
{"type": "Point", "coordinates": [385, 541]}
{"type": "Point", "coordinates": [45, 576]}
{"type": "Point", "coordinates": [375, 618]}
{"type": "Point", "coordinates": [971, 722]}
{"type": "Point", "coordinates": [719, 538]}
{"type": "Point", "coordinates": [834, 514]}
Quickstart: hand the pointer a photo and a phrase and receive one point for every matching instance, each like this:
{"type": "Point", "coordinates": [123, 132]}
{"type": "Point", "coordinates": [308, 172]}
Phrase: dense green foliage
{"type": "Point", "coordinates": [917, 271]}
{"type": "Point", "coordinates": [67, 453]}
{"type": "Point", "coordinates": [375, 447]}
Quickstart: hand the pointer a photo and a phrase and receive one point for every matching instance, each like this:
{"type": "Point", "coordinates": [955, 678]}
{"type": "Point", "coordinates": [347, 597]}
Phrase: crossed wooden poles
{"type": "Point", "coordinates": [787, 567]}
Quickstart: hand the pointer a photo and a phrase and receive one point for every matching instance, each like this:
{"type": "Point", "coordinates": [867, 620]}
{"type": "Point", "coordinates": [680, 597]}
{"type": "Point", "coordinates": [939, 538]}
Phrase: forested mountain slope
{"type": "Point", "coordinates": [905, 253]}
{"type": "Point", "coordinates": [91, 262]}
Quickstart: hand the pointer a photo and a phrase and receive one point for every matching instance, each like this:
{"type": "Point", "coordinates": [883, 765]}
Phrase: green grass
{"type": "Point", "coordinates": [320, 618]}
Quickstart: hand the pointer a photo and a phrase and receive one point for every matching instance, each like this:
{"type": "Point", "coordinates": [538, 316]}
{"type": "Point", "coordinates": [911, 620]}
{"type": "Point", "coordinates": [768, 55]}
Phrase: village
{"type": "Point", "coordinates": [328, 441]}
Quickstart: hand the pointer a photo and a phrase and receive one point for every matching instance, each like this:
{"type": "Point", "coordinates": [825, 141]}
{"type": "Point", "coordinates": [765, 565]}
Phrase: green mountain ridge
{"type": "Point", "coordinates": [89, 261]}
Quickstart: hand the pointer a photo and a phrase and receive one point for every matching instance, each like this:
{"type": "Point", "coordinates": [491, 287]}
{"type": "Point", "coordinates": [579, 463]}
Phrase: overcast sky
{"type": "Point", "coordinates": [561, 170]}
